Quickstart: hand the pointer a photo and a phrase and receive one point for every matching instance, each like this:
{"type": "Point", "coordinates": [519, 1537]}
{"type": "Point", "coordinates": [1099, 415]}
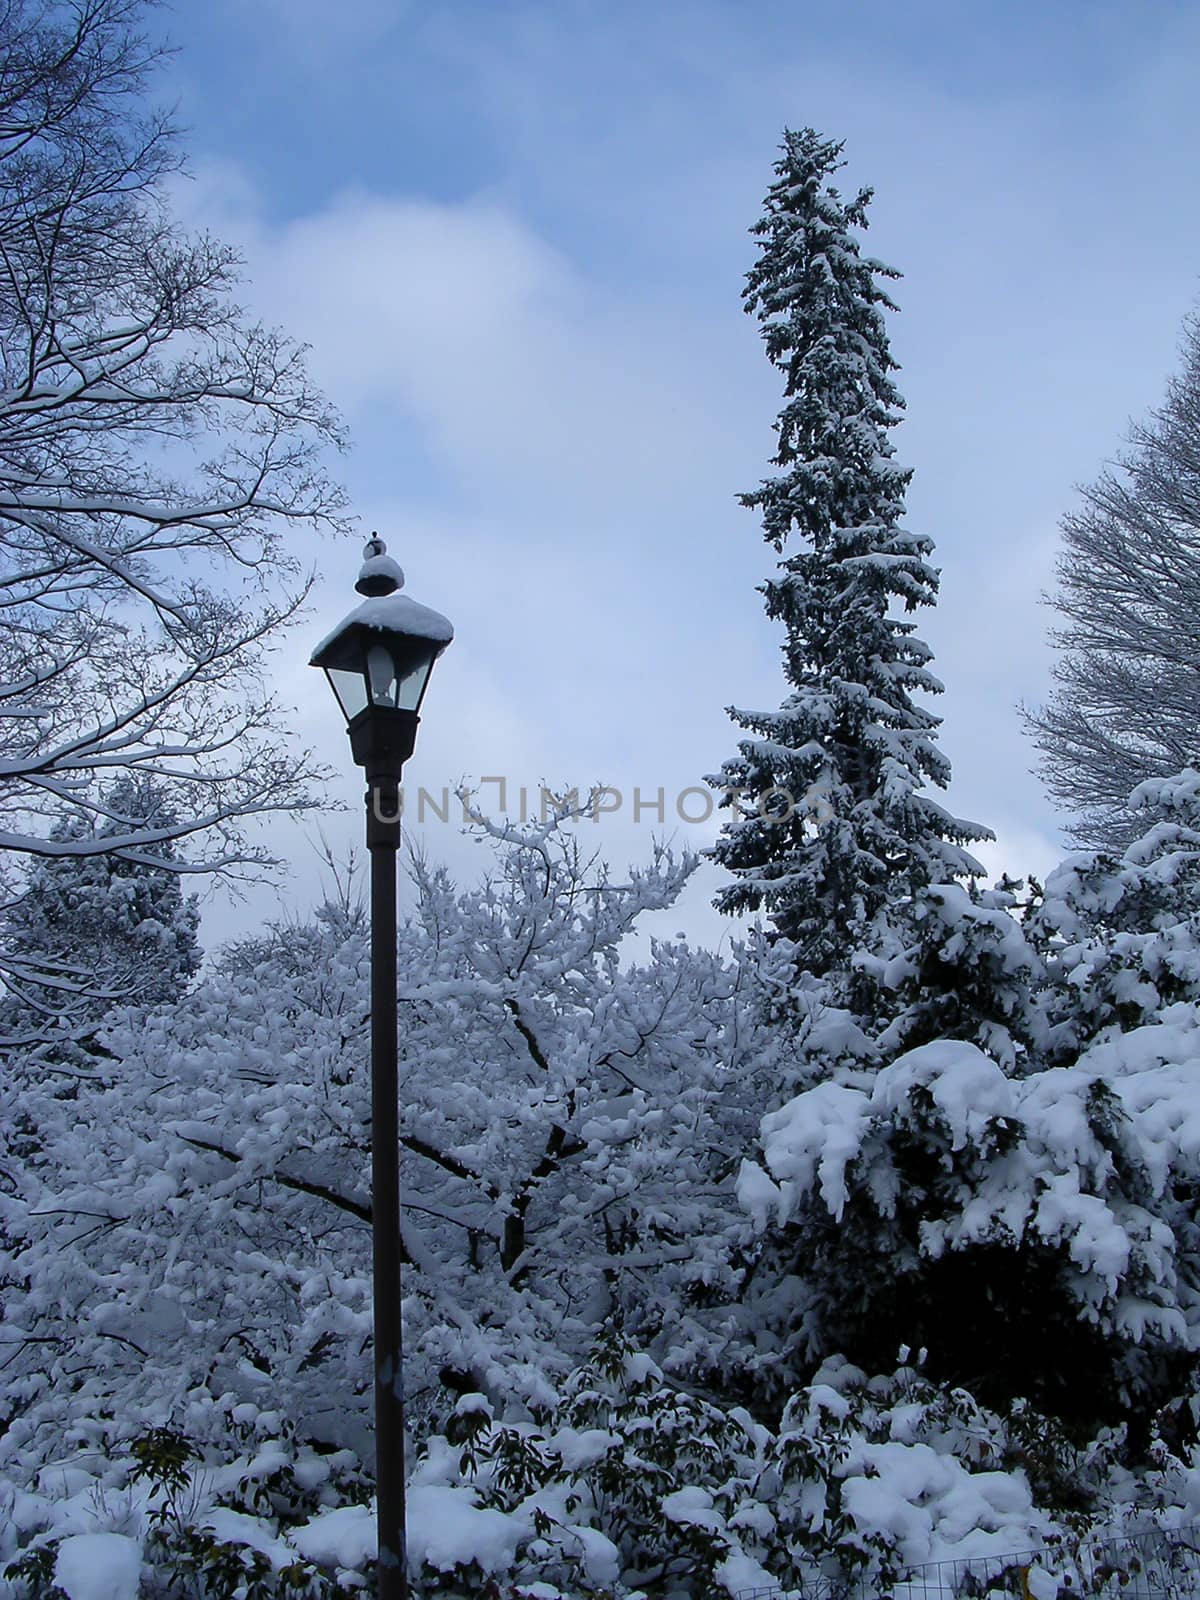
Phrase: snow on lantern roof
{"type": "Point", "coordinates": [381, 579]}
{"type": "Point", "coordinates": [397, 614]}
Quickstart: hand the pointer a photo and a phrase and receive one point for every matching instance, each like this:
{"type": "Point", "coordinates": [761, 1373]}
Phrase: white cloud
{"type": "Point", "coordinates": [453, 336]}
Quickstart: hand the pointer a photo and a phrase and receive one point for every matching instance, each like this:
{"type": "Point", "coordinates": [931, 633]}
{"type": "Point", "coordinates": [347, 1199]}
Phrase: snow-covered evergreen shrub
{"type": "Point", "coordinates": [959, 967]}
{"type": "Point", "coordinates": [1122, 934]}
{"type": "Point", "coordinates": [1036, 1234]}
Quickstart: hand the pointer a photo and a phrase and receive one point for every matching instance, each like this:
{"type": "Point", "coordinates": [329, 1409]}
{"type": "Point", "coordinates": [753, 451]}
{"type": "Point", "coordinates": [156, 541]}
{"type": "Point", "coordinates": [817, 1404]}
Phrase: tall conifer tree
{"type": "Point", "coordinates": [839, 769]}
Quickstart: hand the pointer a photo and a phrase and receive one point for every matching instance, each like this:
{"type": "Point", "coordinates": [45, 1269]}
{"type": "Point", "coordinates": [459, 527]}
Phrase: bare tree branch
{"type": "Point", "coordinates": [156, 449]}
{"type": "Point", "coordinates": [1126, 706]}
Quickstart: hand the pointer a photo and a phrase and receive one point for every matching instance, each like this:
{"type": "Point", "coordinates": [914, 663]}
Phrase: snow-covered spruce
{"type": "Point", "coordinates": [958, 963]}
{"type": "Point", "coordinates": [849, 830]}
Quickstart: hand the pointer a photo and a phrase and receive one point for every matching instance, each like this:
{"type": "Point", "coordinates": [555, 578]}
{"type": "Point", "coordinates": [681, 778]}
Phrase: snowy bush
{"type": "Point", "coordinates": [1037, 1234]}
{"type": "Point", "coordinates": [1122, 934]}
{"type": "Point", "coordinates": [632, 1484]}
{"type": "Point", "coordinates": [155, 1521]}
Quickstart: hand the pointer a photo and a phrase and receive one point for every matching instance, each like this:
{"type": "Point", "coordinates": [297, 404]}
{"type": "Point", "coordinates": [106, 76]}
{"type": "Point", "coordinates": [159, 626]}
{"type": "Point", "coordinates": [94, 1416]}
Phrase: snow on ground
{"type": "Point", "coordinates": [99, 1566]}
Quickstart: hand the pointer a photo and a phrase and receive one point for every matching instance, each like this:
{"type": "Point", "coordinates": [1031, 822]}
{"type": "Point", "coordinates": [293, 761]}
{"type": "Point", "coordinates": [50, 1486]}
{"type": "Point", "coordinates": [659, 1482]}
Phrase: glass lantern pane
{"type": "Point", "coordinates": [412, 685]}
{"type": "Point", "coordinates": [350, 689]}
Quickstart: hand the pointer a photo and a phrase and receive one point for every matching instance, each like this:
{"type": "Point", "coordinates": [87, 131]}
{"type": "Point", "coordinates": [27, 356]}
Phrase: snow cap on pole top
{"type": "Point", "coordinates": [379, 574]}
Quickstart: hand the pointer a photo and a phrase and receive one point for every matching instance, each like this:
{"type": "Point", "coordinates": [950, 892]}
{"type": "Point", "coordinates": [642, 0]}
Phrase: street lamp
{"type": "Point", "coordinates": [378, 661]}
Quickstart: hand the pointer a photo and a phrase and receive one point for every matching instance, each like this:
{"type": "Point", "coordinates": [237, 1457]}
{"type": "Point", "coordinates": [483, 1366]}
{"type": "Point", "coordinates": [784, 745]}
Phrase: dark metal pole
{"type": "Point", "coordinates": [383, 840]}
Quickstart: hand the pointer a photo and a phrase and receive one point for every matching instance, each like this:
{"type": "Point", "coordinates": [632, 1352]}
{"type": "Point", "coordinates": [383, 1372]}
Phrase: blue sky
{"type": "Point", "coordinates": [514, 235]}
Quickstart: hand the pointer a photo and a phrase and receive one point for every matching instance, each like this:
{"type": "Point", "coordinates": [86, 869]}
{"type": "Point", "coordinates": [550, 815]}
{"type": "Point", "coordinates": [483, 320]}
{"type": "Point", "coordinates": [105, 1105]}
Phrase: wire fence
{"type": "Point", "coordinates": [1157, 1564]}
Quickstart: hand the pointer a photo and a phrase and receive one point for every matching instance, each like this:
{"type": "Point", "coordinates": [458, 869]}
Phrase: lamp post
{"type": "Point", "coordinates": [378, 661]}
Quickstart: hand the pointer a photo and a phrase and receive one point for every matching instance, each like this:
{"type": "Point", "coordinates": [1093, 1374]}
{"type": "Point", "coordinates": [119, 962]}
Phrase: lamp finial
{"type": "Point", "coordinates": [379, 574]}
